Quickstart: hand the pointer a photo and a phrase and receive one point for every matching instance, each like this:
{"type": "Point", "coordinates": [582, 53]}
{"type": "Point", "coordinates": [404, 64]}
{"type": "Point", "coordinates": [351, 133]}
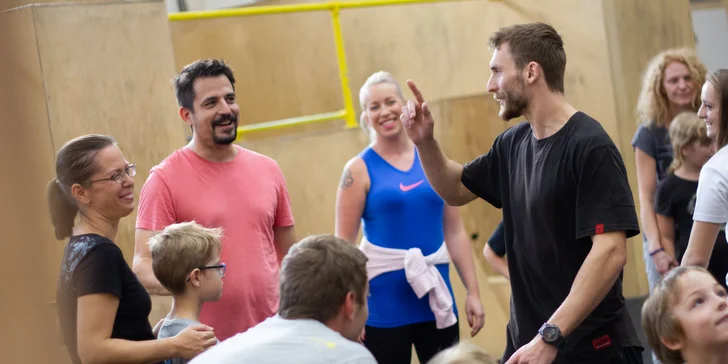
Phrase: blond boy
{"type": "Point", "coordinates": [685, 318]}
{"type": "Point", "coordinates": [186, 261]}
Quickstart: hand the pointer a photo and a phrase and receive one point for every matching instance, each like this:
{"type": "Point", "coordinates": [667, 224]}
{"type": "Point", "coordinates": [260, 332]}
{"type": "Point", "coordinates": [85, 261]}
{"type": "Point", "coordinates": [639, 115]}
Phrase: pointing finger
{"type": "Point", "coordinates": [415, 91]}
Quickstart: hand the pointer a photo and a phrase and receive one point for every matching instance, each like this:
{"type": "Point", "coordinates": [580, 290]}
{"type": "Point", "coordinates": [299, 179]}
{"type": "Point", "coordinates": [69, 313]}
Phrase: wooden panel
{"type": "Point", "coordinates": [636, 31]}
{"type": "Point", "coordinates": [11, 4]}
{"type": "Point", "coordinates": [284, 65]}
{"type": "Point", "coordinates": [27, 236]}
{"type": "Point", "coordinates": [107, 69]}
{"type": "Point", "coordinates": [292, 70]}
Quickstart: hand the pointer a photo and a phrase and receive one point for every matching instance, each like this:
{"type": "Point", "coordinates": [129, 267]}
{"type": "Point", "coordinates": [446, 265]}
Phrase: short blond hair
{"type": "Point", "coordinates": [685, 129]}
{"type": "Point", "coordinates": [181, 248]}
{"type": "Point", "coordinates": [463, 353]}
{"type": "Point", "coordinates": [658, 321]}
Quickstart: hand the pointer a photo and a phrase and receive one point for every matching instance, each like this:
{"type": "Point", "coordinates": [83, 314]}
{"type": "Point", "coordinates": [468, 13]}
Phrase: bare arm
{"type": "Point", "coordinates": [283, 237]}
{"type": "Point", "coordinates": [444, 174]}
{"type": "Point", "coordinates": [95, 320]}
{"type": "Point", "coordinates": [142, 263]}
{"type": "Point", "coordinates": [500, 264]}
{"type": "Point", "coordinates": [458, 245]}
{"type": "Point", "coordinates": [351, 199]}
{"type": "Point", "coordinates": [666, 226]}
{"type": "Point", "coordinates": [647, 184]}
{"type": "Point", "coordinates": [595, 278]}
{"type": "Point", "coordinates": [700, 246]}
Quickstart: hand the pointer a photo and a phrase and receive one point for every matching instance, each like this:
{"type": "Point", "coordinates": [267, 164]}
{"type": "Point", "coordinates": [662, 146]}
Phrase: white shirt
{"type": "Point", "coordinates": [278, 340]}
{"type": "Point", "coordinates": [712, 196]}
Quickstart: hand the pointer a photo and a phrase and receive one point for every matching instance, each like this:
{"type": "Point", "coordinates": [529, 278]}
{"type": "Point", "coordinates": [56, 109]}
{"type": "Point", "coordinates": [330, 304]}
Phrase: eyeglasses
{"type": "Point", "coordinates": [118, 177]}
{"type": "Point", "coordinates": [220, 269]}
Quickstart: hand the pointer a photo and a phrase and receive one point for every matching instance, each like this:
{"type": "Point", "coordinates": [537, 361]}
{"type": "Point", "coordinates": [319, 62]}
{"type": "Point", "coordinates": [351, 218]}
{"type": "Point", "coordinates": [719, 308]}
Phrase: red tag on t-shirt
{"type": "Point", "coordinates": [602, 342]}
{"type": "Point", "coordinates": [600, 228]}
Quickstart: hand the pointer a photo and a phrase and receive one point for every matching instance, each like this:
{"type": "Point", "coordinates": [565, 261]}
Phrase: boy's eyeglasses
{"type": "Point", "coordinates": [220, 269]}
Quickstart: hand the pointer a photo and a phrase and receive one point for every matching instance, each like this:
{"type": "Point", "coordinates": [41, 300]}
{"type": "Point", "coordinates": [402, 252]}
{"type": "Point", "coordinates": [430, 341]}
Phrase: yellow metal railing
{"type": "Point", "coordinates": [334, 8]}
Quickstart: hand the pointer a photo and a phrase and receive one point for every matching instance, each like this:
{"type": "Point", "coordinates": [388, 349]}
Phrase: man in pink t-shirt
{"type": "Point", "coordinates": [219, 184]}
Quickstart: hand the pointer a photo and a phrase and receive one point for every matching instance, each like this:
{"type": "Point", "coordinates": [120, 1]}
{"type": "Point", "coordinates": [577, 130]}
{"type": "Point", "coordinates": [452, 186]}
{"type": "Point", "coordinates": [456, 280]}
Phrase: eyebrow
{"type": "Point", "coordinates": [211, 98]}
{"type": "Point", "coordinates": [117, 170]}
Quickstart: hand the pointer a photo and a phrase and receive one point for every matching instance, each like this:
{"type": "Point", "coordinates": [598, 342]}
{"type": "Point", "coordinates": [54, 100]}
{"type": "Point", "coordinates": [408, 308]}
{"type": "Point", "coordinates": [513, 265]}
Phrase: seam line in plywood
{"type": "Point", "coordinates": [43, 81]}
{"type": "Point", "coordinates": [76, 3]}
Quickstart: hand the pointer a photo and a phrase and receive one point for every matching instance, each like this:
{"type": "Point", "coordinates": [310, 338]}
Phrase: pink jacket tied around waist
{"type": "Point", "coordinates": [421, 274]}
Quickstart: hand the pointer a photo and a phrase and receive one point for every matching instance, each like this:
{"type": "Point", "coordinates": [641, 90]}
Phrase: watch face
{"type": "Point", "coordinates": [550, 333]}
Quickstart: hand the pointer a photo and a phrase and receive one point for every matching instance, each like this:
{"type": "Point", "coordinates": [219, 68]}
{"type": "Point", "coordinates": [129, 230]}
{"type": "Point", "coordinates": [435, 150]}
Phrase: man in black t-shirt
{"type": "Point", "coordinates": [567, 206]}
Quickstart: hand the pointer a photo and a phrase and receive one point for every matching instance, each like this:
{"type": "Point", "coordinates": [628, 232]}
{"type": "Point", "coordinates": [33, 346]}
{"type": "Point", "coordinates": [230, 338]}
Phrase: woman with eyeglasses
{"type": "Point", "coordinates": [102, 308]}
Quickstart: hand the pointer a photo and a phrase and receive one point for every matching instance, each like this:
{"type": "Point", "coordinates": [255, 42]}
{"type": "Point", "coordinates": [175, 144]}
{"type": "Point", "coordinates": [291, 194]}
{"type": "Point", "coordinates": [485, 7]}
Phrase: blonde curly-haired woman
{"type": "Point", "coordinates": [670, 85]}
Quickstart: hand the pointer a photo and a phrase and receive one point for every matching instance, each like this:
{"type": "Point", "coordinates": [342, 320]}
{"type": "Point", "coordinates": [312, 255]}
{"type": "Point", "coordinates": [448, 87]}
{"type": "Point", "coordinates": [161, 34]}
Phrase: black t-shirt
{"type": "Point", "coordinates": [654, 140]}
{"type": "Point", "coordinates": [94, 264]}
{"type": "Point", "coordinates": [555, 194]}
{"type": "Point", "coordinates": [497, 241]}
{"type": "Point", "coordinates": [675, 197]}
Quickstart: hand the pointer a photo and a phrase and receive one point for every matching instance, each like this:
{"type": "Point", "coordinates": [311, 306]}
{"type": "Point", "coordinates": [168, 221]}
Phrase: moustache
{"type": "Point", "coordinates": [223, 119]}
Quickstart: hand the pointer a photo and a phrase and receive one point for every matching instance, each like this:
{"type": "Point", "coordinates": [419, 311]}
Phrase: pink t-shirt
{"type": "Point", "coordinates": [247, 197]}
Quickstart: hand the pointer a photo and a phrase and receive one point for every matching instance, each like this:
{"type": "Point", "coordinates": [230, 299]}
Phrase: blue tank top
{"type": "Point", "coordinates": [402, 211]}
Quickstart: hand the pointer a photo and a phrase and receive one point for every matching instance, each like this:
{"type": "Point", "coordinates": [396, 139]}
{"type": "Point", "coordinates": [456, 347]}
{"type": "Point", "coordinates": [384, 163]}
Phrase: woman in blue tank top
{"type": "Point", "coordinates": [385, 190]}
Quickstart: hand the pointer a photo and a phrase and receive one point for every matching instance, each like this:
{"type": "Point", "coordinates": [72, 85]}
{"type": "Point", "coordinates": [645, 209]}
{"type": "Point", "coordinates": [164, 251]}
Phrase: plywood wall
{"type": "Point", "coordinates": [80, 69]}
{"type": "Point", "coordinates": [636, 31]}
{"type": "Point", "coordinates": [24, 155]}
{"type": "Point", "coordinates": [11, 4]}
{"type": "Point", "coordinates": [106, 69]}
{"type": "Point", "coordinates": [286, 65]}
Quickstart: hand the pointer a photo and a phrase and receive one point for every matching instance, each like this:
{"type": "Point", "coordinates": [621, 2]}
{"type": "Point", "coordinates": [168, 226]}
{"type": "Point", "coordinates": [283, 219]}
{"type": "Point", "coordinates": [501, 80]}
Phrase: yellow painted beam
{"type": "Point", "coordinates": [284, 123]}
{"type": "Point", "coordinates": [343, 70]}
{"type": "Point", "coordinates": [348, 114]}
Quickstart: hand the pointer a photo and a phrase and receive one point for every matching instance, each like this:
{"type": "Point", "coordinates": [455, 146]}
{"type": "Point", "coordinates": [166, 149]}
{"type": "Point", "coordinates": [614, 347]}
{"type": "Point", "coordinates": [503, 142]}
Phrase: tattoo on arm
{"type": "Point", "coordinates": [346, 179]}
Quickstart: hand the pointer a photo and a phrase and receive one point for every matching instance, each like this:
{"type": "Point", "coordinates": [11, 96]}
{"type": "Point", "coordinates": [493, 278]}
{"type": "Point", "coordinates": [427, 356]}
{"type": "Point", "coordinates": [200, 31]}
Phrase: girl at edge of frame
{"type": "Point", "coordinates": [711, 202]}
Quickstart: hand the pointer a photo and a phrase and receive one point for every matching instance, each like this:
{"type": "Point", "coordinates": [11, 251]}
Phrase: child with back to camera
{"type": "Point", "coordinates": [186, 260]}
{"type": "Point", "coordinates": [675, 195]}
{"type": "Point", "coordinates": [686, 318]}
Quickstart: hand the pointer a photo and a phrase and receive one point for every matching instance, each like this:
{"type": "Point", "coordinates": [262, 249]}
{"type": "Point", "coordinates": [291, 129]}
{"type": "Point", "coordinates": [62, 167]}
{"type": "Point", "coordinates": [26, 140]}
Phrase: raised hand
{"type": "Point", "coordinates": [416, 117]}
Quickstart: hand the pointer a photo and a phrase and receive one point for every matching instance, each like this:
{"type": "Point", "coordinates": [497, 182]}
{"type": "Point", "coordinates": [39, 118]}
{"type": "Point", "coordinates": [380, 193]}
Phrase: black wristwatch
{"type": "Point", "coordinates": [551, 334]}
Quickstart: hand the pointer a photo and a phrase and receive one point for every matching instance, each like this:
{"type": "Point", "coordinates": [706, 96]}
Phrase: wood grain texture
{"type": "Point", "coordinates": [26, 159]}
{"type": "Point", "coordinates": [107, 69]}
{"type": "Point", "coordinates": [636, 31]}
{"type": "Point", "coordinates": [292, 71]}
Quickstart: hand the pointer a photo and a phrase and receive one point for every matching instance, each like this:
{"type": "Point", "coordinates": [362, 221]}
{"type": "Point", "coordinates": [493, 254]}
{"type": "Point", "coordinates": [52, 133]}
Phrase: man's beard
{"type": "Point", "coordinates": [514, 101]}
{"type": "Point", "coordinates": [229, 138]}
